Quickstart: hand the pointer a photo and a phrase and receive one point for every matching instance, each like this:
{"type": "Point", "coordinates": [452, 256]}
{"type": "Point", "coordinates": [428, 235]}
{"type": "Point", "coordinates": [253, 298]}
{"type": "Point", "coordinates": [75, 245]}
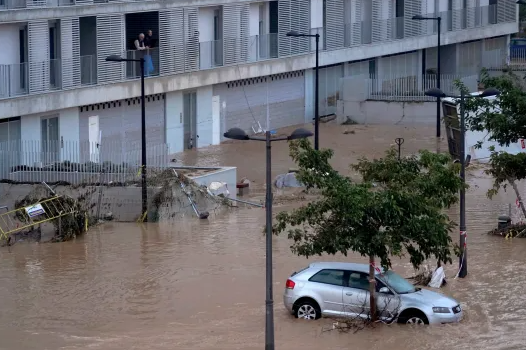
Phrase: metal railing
{"type": "Point", "coordinates": [88, 70]}
{"type": "Point", "coordinates": [14, 80]}
{"type": "Point", "coordinates": [151, 63]}
{"type": "Point", "coordinates": [412, 87]}
{"type": "Point", "coordinates": [77, 162]}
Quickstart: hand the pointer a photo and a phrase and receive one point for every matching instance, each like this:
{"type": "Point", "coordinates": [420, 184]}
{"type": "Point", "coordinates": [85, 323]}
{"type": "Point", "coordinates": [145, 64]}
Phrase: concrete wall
{"type": "Point", "coordinates": [123, 202]}
{"type": "Point", "coordinates": [111, 92]}
{"type": "Point", "coordinates": [388, 113]}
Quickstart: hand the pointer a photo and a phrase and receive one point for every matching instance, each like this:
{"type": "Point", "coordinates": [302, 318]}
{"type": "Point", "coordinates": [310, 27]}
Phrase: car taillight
{"type": "Point", "coordinates": [290, 284]}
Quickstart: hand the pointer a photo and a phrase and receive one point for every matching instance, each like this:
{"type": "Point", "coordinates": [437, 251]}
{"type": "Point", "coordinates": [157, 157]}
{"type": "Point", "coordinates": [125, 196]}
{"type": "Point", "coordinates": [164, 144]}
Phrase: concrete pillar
{"type": "Point", "coordinates": [309, 94]}
{"type": "Point", "coordinates": [174, 121]}
{"type": "Point", "coordinates": [204, 117]}
{"type": "Point", "coordinates": [69, 130]}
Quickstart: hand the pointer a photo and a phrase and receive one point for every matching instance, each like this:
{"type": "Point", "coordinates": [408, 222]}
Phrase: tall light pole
{"type": "Point", "coordinates": [116, 58]}
{"type": "Point", "coordinates": [438, 19]}
{"type": "Point", "coordinates": [239, 134]}
{"type": "Point", "coordinates": [435, 92]}
{"type": "Point", "coordinates": [317, 85]}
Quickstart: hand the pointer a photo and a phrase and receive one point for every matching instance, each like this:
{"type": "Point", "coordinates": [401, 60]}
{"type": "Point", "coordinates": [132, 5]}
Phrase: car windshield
{"type": "Point", "coordinates": [398, 283]}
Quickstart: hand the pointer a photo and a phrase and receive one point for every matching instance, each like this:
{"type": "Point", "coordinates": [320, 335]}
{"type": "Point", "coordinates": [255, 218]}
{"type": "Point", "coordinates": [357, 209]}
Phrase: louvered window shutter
{"type": "Point", "coordinates": [506, 11]}
{"type": "Point", "coordinates": [356, 27]}
{"type": "Point", "coordinates": [335, 24]}
{"type": "Point", "coordinates": [171, 41]}
{"type": "Point", "coordinates": [38, 52]}
{"type": "Point", "coordinates": [412, 8]}
{"type": "Point", "coordinates": [235, 33]}
{"type": "Point", "coordinates": [293, 15]}
{"type": "Point", "coordinates": [457, 14]}
{"type": "Point", "coordinates": [70, 52]}
{"type": "Point", "coordinates": [191, 30]}
{"type": "Point", "coordinates": [110, 41]}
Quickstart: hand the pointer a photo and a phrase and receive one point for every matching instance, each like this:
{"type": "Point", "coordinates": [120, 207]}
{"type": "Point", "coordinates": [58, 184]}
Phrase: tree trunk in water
{"type": "Point", "coordinates": [514, 185]}
{"type": "Point", "coordinates": [372, 289]}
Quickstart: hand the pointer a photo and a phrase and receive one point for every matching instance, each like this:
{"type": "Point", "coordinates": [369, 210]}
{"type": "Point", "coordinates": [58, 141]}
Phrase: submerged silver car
{"type": "Point", "coordinates": [342, 290]}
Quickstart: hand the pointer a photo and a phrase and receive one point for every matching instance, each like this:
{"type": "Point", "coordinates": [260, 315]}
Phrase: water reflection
{"type": "Point", "coordinates": [200, 284]}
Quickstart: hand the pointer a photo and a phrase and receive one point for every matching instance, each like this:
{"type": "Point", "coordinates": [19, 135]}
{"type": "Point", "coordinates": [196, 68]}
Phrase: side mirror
{"type": "Point", "coordinates": [384, 290]}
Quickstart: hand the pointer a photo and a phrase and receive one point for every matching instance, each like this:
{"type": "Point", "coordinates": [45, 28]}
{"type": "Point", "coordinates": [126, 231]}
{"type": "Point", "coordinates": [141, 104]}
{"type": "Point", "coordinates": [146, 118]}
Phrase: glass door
{"type": "Point", "coordinates": [190, 119]}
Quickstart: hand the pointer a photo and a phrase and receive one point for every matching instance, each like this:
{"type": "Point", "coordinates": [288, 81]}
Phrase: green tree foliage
{"type": "Point", "coordinates": [396, 210]}
{"type": "Point", "coordinates": [505, 119]}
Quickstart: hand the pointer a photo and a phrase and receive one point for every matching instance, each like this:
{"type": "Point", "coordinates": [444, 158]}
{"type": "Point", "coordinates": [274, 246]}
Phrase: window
{"type": "Point", "coordinates": [358, 280]}
{"type": "Point", "coordinates": [334, 277]}
{"type": "Point", "coordinates": [398, 283]}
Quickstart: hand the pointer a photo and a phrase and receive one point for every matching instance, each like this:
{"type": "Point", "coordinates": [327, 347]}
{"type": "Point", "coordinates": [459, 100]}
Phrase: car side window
{"type": "Point", "coordinates": [358, 280]}
{"type": "Point", "coordinates": [334, 277]}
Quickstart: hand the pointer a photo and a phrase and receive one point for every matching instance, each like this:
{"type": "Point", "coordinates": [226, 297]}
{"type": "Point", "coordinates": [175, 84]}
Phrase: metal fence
{"type": "Point", "coordinates": [78, 162]}
{"type": "Point", "coordinates": [400, 88]}
{"type": "Point", "coordinates": [412, 88]}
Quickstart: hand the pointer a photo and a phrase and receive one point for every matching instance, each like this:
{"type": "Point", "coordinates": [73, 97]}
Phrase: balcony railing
{"type": "Point", "coordinates": [15, 79]}
{"type": "Point", "coordinates": [88, 70]}
{"type": "Point", "coordinates": [151, 63]}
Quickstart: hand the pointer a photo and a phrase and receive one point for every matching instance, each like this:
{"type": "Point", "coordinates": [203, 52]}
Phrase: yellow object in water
{"type": "Point", "coordinates": [44, 211]}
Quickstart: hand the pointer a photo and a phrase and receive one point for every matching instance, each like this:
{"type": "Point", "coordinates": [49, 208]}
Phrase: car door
{"type": "Point", "coordinates": [327, 286]}
{"type": "Point", "coordinates": [356, 294]}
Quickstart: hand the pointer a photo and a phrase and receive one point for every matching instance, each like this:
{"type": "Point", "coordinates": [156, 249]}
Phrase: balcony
{"type": "Point", "coordinates": [40, 77]}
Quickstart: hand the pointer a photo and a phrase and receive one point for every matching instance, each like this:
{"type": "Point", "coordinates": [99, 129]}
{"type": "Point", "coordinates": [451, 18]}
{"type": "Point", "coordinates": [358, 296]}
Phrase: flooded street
{"type": "Point", "coordinates": [200, 284]}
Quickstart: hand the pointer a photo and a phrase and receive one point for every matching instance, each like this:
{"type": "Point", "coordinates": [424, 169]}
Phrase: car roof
{"type": "Point", "coordinates": [342, 266]}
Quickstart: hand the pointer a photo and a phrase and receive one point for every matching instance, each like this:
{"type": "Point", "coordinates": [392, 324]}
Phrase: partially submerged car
{"type": "Point", "coordinates": [342, 290]}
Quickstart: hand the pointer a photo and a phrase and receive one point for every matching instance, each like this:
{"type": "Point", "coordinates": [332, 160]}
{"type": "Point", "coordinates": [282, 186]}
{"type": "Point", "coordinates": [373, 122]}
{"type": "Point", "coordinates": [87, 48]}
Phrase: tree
{"type": "Point", "coordinates": [504, 118]}
{"type": "Point", "coordinates": [395, 211]}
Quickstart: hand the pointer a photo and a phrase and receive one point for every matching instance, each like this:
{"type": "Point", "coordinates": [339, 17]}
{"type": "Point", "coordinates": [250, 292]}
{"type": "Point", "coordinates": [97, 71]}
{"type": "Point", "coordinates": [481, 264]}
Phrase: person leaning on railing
{"type": "Point", "coordinates": [149, 44]}
{"type": "Point", "coordinates": [140, 45]}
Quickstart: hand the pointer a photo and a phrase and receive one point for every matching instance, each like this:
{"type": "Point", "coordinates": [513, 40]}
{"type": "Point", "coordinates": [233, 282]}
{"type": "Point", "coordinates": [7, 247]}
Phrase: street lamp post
{"type": "Point", "coordinates": [239, 134]}
{"type": "Point", "coordinates": [435, 92]}
{"type": "Point", "coordinates": [116, 58]}
{"type": "Point", "coordinates": [317, 85]}
{"type": "Point", "coordinates": [439, 25]}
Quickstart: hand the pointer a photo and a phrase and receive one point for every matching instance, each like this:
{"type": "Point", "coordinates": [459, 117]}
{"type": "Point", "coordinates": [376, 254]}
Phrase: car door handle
{"type": "Point", "coordinates": [348, 293]}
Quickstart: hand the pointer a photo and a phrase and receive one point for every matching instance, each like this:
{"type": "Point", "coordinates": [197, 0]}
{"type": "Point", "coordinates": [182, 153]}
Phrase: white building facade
{"type": "Point", "coordinates": [216, 64]}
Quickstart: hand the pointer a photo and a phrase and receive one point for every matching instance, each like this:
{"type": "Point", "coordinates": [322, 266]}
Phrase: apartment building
{"type": "Point", "coordinates": [215, 64]}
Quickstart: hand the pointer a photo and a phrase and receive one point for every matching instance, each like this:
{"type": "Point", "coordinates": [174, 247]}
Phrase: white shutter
{"type": "Point", "coordinates": [334, 24]}
{"type": "Point", "coordinates": [191, 28]}
{"type": "Point", "coordinates": [376, 21]}
{"type": "Point", "coordinates": [470, 13]}
{"type": "Point", "coordinates": [70, 52]}
{"type": "Point", "coordinates": [110, 41]}
{"type": "Point", "coordinates": [235, 33]}
{"type": "Point", "coordinates": [284, 25]}
{"type": "Point", "coordinates": [293, 15]}
{"type": "Point", "coordinates": [506, 11]}
{"type": "Point", "coordinates": [412, 8]}
{"type": "Point", "coordinates": [300, 22]}
{"type": "Point", "coordinates": [456, 14]}
{"type": "Point", "coordinates": [38, 52]}
{"type": "Point", "coordinates": [171, 41]}
{"type": "Point", "coordinates": [356, 26]}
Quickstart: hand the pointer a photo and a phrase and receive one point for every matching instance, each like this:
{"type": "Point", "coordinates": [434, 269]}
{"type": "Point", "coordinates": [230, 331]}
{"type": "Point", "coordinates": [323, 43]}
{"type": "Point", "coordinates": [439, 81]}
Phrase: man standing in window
{"type": "Point", "coordinates": [149, 43]}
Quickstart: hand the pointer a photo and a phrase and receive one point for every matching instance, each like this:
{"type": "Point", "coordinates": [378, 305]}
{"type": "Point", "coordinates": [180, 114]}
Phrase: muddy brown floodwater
{"type": "Point", "coordinates": [200, 284]}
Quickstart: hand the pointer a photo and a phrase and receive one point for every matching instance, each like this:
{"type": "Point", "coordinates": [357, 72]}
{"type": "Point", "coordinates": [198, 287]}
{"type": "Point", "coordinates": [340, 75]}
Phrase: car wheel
{"type": "Point", "coordinates": [414, 318]}
{"type": "Point", "coordinates": [307, 310]}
